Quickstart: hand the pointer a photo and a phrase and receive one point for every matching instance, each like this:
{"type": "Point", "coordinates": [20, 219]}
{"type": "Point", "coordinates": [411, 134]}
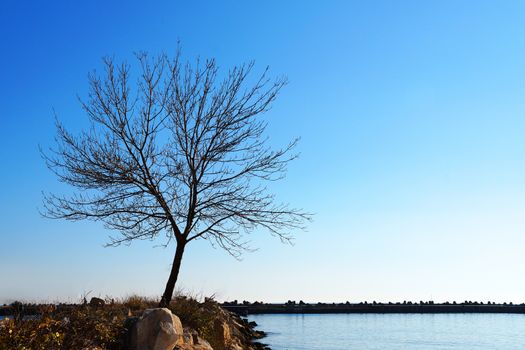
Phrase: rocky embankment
{"type": "Point", "coordinates": [134, 323]}
{"type": "Point", "coordinates": [160, 329]}
{"type": "Point", "coordinates": [291, 307]}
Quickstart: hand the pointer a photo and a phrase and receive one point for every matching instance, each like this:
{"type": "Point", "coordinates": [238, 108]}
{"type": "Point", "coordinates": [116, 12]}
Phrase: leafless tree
{"type": "Point", "coordinates": [178, 151]}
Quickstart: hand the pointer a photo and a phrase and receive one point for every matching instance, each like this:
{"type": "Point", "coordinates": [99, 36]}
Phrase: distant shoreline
{"type": "Point", "coordinates": [372, 308]}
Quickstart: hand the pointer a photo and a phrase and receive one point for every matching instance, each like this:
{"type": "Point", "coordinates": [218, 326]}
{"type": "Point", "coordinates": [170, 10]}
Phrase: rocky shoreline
{"type": "Point", "coordinates": [160, 329]}
{"type": "Point", "coordinates": [133, 324]}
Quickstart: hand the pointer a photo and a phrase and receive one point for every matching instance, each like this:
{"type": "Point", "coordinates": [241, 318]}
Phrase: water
{"type": "Point", "coordinates": [393, 331]}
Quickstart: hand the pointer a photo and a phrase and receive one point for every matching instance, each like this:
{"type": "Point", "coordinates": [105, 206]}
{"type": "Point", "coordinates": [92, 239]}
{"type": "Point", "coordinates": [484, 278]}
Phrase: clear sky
{"type": "Point", "coordinates": [412, 119]}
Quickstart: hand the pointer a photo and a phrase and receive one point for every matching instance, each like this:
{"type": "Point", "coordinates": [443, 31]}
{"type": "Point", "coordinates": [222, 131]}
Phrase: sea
{"type": "Point", "coordinates": [393, 331]}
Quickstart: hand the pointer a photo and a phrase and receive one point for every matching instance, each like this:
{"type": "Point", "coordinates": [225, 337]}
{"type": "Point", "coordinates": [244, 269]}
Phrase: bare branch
{"type": "Point", "coordinates": [181, 151]}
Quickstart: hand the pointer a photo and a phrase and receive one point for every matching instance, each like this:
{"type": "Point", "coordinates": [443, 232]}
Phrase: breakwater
{"type": "Point", "coordinates": [325, 308]}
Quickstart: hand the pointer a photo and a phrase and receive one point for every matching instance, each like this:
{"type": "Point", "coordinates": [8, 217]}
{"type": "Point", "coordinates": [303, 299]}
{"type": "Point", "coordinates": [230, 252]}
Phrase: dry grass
{"type": "Point", "coordinates": [199, 316]}
{"type": "Point", "coordinates": [80, 327]}
{"type": "Point", "coordinates": [86, 327]}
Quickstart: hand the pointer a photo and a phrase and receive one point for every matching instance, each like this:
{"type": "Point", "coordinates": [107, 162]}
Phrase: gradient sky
{"type": "Point", "coordinates": [412, 123]}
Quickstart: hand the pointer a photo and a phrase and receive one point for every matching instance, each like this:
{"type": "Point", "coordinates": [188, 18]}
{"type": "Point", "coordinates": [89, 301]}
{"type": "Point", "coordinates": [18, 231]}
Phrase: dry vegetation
{"type": "Point", "coordinates": [77, 327]}
{"type": "Point", "coordinates": [87, 327]}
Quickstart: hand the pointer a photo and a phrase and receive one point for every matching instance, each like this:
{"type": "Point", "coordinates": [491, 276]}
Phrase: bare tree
{"type": "Point", "coordinates": [177, 151]}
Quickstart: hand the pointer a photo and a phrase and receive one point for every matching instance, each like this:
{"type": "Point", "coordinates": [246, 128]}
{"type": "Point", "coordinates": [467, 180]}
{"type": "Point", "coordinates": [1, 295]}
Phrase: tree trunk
{"type": "Point", "coordinates": [170, 286]}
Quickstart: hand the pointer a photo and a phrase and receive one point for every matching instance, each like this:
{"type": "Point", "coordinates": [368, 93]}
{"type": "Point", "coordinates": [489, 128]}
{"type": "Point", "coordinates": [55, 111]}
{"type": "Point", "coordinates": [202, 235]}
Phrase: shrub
{"type": "Point", "coordinates": [196, 315]}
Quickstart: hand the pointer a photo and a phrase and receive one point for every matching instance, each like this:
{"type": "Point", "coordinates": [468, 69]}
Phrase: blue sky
{"type": "Point", "coordinates": [411, 118]}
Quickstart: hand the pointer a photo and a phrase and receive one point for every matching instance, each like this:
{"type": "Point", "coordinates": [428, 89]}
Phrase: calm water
{"type": "Point", "coordinates": [393, 331]}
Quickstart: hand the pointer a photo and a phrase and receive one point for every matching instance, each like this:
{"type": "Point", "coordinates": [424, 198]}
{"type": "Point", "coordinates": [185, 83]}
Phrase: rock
{"type": "Point", "coordinates": [193, 342]}
{"type": "Point", "coordinates": [157, 329]}
{"type": "Point", "coordinates": [205, 346]}
{"type": "Point", "coordinates": [201, 344]}
{"type": "Point", "coordinates": [221, 338]}
{"type": "Point", "coordinates": [235, 346]}
{"type": "Point", "coordinates": [189, 336]}
{"type": "Point", "coordinates": [97, 302]}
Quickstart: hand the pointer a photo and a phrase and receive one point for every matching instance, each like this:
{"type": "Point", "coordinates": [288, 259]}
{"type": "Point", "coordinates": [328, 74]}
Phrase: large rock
{"type": "Point", "coordinates": [157, 329]}
{"type": "Point", "coordinates": [221, 337]}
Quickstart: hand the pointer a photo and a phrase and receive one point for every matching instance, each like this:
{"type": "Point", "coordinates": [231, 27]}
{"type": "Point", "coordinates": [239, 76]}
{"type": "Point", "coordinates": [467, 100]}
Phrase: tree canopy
{"type": "Point", "coordinates": [179, 150]}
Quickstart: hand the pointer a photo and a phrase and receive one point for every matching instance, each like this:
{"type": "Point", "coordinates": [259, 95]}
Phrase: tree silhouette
{"type": "Point", "coordinates": [179, 152]}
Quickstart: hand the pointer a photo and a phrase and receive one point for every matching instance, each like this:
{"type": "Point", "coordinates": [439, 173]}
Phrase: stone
{"type": "Point", "coordinates": [221, 337]}
{"type": "Point", "coordinates": [157, 329]}
{"type": "Point", "coordinates": [202, 345]}
{"type": "Point", "coordinates": [97, 302]}
{"type": "Point", "coordinates": [196, 343]}
{"type": "Point", "coordinates": [235, 346]}
{"type": "Point", "coordinates": [189, 336]}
